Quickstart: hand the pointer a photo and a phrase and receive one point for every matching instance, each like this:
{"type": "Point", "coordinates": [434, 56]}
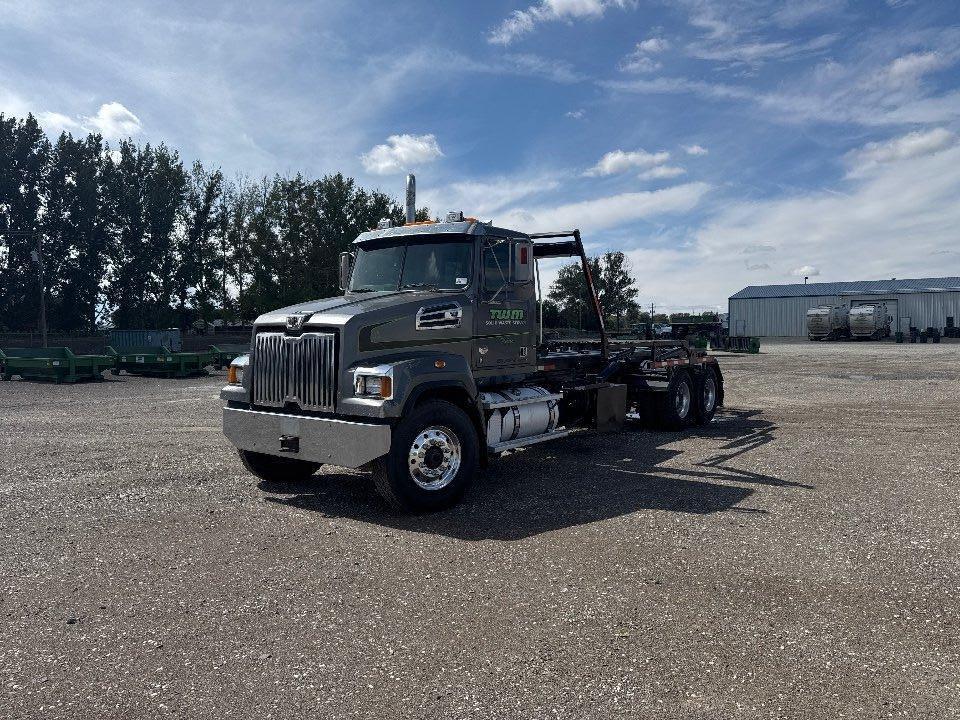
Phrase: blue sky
{"type": "Point", "coordinates": [718, 144]}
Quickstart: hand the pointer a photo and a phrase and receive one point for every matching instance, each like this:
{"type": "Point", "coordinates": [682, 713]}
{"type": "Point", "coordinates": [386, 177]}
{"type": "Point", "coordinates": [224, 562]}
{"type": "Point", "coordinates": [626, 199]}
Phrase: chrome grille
{"type": "Point", "coordinates": [301, 369]}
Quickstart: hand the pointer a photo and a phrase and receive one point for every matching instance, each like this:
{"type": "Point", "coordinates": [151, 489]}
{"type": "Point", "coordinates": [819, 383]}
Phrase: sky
{"type": "Point", "coordinates": [717, 144]}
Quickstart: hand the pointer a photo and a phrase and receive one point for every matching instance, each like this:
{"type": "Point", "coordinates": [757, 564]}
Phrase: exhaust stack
{"type": "Point", "coordinates": [411, 199]}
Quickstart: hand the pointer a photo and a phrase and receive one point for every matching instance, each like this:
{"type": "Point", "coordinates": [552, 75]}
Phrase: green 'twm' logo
{"type": "Point", "coordinates": [515, 314]}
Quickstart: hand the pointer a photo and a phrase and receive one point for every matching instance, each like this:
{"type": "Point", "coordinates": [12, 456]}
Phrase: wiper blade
{"type": "Point", "coordinates": [362, 290]}
{"type": "Point", "coordinates": [418, 286]}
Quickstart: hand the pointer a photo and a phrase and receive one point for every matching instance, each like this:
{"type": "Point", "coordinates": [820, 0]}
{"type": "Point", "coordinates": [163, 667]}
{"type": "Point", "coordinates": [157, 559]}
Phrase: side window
{"type": "Point", "coordinates": [496, 270]}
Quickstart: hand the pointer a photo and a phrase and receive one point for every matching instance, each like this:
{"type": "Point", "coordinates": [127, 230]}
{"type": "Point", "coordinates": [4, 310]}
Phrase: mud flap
{"type": "Point", "coordinates": [610, 406]}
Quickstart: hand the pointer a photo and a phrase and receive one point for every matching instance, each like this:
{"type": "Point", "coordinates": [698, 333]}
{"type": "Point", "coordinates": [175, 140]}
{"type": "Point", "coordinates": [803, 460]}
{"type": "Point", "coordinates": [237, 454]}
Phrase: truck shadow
{"type": "Point", "coordinates": [570, 482]}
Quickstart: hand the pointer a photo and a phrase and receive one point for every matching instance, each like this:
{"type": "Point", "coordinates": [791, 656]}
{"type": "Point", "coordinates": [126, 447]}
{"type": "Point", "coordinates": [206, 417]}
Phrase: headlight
{"type": "Point", "coordinates": [378, 386]}
{"type": "Point", "coordinates": [236, 370]}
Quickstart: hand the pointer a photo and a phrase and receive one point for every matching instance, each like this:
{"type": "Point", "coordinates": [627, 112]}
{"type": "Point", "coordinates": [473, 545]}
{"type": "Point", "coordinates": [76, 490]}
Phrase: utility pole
{"type": "Point", "coordinates": [37, 257]}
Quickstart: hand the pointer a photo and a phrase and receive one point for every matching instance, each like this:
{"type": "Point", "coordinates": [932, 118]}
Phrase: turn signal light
{"type": "Point", "coordinates": [386, 386]}
{"type": "Point", "coordinates": [232, 375]}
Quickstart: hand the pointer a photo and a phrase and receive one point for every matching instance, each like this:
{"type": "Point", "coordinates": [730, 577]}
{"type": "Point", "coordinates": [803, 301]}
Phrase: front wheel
{"type": "Point", "coordinates": [434, 456]}
{"type": "Point", "coordinates": [277, 469]}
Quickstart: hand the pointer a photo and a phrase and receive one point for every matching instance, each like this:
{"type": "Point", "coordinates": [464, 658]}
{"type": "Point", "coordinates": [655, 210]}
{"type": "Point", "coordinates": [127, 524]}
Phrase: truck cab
{"type": "Point", "coordinates": [430, 364]}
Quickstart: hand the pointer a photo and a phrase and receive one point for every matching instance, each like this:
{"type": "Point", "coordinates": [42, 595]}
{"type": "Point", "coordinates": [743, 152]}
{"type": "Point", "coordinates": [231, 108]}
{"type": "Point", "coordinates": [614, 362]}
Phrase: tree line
{"type": "Point", "coordinates": [128, 235]}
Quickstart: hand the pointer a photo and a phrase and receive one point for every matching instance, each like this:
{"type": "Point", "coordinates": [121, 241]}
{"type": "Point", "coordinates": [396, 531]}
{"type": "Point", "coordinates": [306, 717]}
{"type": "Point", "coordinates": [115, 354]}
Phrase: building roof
{"type": "Point", "coordinates": [860, 287]}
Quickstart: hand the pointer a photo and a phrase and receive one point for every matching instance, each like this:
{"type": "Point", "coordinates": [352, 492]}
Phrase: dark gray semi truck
{"type": "Point", "coordinates": [432, 363]}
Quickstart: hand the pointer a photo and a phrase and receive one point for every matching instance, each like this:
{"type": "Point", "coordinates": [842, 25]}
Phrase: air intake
{"type": "Point", "coordinates": [448, 315]}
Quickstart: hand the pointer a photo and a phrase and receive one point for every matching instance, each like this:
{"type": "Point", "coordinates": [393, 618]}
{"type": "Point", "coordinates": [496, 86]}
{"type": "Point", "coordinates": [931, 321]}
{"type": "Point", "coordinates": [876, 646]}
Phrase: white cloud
{"type": "Point", "coordinates": [536, 66]}
{"type": "Point", "coordinates": [679, 85]}
{"type": "Point", "coordinates": [805, 271]}
{"type": "Point", "coordinates": [640, 61]}
{"type": "Point", "coordinates": [653, 45]}
{"type": "Point", "coordinates": [575, 114]}
{"type": "Point", "coordinates": [637, 62]}
{"type": "Point", "coordinates": [914, 144]}
{"type": "Point", "coordinates": [798, 12]}
{"type": "Point", "coordinates": [662, 172]}
{"type": "Point", "coordinates": [619, 161]}
{"type": "Point", "coordinates": [863, 92]}
{"type": "Point", "coordinates": [113, 121]}
{"type": "Point", "coordinates": [607, 212]}
{"type": "Point", "coordinates": [483, 198]}
{"type": "Point", "coordinates": [895, 222]}
{"type": "Point", "coordinates": [695, 150]}
{"type": "Point", "coordinates": [54, 123]}
{"type": "Point", "coordinates": [522, 22]}
{"type": "Point", "coordinates": [751, 52]}
{"type": "Point", "coordinates": [400, 154]}
{"type": "Point", "coordinates": [911, 68]}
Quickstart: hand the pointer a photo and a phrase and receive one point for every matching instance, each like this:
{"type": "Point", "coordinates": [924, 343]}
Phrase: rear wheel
{"type": "Point", "coordinates": [277, 469]}
{"type": "Point", "coordinates": [678, 402]}
{"type": "Point", "coordinates": [707, 396]}
{"type": "Point", "coordinates": [433, 458]}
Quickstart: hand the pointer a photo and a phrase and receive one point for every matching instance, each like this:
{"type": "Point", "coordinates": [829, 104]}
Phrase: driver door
{"type": "Point", "coordinates": [505, 322]}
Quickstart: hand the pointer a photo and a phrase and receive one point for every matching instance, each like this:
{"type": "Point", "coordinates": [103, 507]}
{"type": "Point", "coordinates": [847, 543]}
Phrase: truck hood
{"type": "Point", "coordinates": [338, 310]}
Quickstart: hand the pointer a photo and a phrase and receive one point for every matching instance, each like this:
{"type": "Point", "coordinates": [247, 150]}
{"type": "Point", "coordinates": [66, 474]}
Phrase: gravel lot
{"type": "Point", "coordinates": [798, 558]}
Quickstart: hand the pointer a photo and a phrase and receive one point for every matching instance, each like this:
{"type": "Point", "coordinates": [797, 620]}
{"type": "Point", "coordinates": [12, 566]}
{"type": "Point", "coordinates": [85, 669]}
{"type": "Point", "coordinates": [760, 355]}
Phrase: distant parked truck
{"type": "Point", "coordinates": [869, 322]}
{"type": "Point", "coordinates": [828, 322]}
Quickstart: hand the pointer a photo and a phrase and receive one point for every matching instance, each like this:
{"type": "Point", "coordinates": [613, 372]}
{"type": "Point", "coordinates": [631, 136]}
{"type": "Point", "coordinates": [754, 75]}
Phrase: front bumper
{"type": "Point", "coordinates": [321, 440]}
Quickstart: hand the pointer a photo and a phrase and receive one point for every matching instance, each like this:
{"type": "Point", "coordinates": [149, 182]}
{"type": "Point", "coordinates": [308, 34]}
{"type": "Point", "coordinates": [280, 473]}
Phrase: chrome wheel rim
{"type": "Point", "coordinates": [683, 400]}
{"type": "Point", "coordinates": [709, 394]}
{"type": "Point", "coordinates": [434, 457]}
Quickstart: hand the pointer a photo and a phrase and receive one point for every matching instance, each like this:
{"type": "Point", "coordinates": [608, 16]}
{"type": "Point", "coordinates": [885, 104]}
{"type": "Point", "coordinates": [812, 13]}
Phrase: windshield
{"type": "Point", "coordinates": [440, 265]}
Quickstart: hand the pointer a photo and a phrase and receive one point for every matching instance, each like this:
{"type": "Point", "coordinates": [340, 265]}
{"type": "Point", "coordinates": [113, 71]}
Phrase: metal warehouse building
{"type": "Point", "coordinates": [781, 310]}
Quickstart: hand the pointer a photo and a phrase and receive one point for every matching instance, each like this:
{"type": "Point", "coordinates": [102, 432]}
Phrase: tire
{"type": "Point", "coordinates": [277, 469]}
{"type": "Point", "coordinates": [678, 408]}
{"type": "Point", "coordinates": [708, 395]}
{"type": "Point", "coordinates": [434, 456]}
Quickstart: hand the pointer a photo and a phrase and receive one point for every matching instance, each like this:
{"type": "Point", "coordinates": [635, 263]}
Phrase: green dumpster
{"type": "Point", "coordinates": [737, 344]}
{"type": "Point", "coordinates": [59, 364]}
{"type": "Point", "coordinates": [226, 354]}
{"type": "Point", "coordinates": [158, 361]}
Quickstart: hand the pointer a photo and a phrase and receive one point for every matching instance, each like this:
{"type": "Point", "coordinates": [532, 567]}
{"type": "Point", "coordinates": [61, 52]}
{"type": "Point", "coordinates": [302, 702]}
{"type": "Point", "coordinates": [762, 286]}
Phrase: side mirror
{"type": "Point", "coordinates": [346, 268]}
{"type": "Point", "coordinates": [523, 262]}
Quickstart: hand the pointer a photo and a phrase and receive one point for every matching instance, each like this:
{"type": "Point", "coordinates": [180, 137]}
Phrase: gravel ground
{"type": "Point", "coordinates": [798, 558]}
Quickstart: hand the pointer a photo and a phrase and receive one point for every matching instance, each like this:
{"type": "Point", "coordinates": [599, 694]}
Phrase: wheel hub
{"type": "Point", "coordinates": [709, 394]}
{"type": "Point", "coordinates": [683, 400]}
{"type": "Point", "coordinates": [434, 457]}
